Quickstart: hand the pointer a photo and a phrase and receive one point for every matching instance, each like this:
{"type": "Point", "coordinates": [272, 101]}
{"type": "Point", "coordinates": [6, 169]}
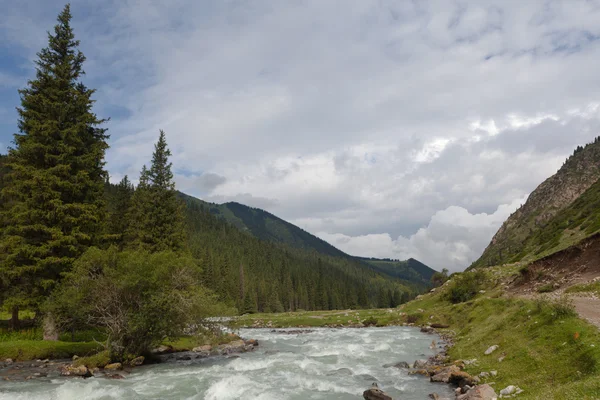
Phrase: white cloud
{"type": "Point", "coordinates": [375, 120]}
{"type": "Point", "coordinates": [453, 239]}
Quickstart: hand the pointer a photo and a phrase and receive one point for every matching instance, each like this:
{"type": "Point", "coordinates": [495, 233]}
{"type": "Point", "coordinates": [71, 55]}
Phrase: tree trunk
{"type": "Point", "coordinates": [14, 320]}
{"type": "Point", "coordinates": [50, 328]}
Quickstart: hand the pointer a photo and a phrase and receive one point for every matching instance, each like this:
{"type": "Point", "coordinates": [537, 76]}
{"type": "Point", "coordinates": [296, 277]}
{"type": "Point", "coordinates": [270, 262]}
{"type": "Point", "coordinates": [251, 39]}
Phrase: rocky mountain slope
{"type": "Point", "coordinates": [558, 213]}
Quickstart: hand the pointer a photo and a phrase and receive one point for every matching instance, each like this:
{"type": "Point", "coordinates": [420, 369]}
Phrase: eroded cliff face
{"type": "Point", "coordinates": [556, 193]}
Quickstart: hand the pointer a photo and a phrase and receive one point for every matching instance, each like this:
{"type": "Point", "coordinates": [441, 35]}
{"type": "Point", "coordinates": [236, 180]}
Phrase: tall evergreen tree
{"type": "Point", "coordinates": [156, 217]}
{"type": "Point", "coordinates": [55, 184]}
{"type": "Point", "coordinates": [119, 199]}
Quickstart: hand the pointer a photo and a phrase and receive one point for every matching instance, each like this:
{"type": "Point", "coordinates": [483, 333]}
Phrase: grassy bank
{"type": "Point", "coordinates": [21, 350]}
{"type": "Point", "coordinates": [313, 319]}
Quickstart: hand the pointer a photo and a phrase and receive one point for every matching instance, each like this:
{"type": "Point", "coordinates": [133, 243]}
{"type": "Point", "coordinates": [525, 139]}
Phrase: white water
{"type": "Point", "coordinates": [324, 364]}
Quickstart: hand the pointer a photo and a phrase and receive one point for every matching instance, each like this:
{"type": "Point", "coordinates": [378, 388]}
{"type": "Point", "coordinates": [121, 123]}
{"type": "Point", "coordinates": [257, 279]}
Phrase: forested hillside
{"type": "Point", "coordinates": [525, 232]}
{"type": "Point", "coordinates": [410, 270]}
{"type": "Point", "coordinates": [266, 226]}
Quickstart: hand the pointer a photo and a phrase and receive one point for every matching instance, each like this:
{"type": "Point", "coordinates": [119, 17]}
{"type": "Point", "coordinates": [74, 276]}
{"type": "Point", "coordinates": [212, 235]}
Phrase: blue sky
{"type": "Point", "coordinates": [389, 128]}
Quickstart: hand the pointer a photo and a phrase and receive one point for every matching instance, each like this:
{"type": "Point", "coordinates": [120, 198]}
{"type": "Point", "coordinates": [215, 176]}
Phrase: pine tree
{"type": "Point", "coordinates": [119, 204]}
{"type": "Point", "coordinates": [55, 184]}
{"type": "Point", "coordinates": [156, 215]}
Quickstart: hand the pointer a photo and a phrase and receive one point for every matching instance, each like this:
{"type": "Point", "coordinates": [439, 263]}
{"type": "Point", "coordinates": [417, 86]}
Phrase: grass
{"type": "Point", "coordinates": [310, 319]}
{"type": "Point", "coordinates": [98, 360]}
{"type": "Point", "coordinates": [592, 287]}
{"type": "Point", "coordinates": [549, 351]}
{"type": "Point", "coordinates": [22, 350]}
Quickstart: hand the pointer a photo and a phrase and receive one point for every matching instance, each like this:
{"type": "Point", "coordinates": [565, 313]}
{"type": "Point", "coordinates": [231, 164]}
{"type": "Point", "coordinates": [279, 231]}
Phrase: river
{"type": "Point", "coordinates": [323, 364]}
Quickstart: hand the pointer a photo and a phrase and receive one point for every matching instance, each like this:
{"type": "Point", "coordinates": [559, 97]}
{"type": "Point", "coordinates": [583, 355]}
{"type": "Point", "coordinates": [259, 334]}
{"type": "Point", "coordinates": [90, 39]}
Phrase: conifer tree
{"type": "Point", "coordinates": [55, 184]}
{"type": "Point", "coordinates": [120, 203]}
{"type": "Point", "coordinates": [156, 217]}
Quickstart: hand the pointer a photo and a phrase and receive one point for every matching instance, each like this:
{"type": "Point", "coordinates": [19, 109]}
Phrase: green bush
{"type": "Point", "coordinates": [138, 298]}
{"type": "Point", "coordinates": [547, 288]}
{"type": "Point", "coordinates": [465, 286]}
{"type": "Point", "coordinates": [96, 361]}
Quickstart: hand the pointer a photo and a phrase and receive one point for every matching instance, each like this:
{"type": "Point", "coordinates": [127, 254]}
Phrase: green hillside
{"type": "Point", "coordinates": [410, 270]}
{"type": "Point", "coordinates": [576, 222]}
{"type": "Point", "coordinates": [270, 228]}
{"type": "Point", "coordinates": [266, 226]}
{"type": "Point", "coordinates": [537, 227]}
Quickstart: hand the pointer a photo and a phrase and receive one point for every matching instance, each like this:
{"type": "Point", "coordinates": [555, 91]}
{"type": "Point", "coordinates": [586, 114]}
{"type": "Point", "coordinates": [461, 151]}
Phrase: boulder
{"type": "Point", "coordinates": [375, 394]}
{"type": "Point", "coordinates": [510, 390]}
{"type": "Point", "coordinates": [427, 329]}
{"type": "Point", "coordinates": [202, 349]}
{"type": "Point", "coordinates": [491, 349]}
{"type": "Point", "coordinates": [115, 376]}
{"type": "Point", "coordinates": [113, 367]}
{"type": "Point", "coordinates": [401, 364]}
{"type": "Point", "coordinates": [252, 342]}
{"type": "Point", "coordinates": [479, 392]}
{"type": "Point", "coordinates": [8, 361]}
{"type": "Point", "coordinates": [70, 370]}
{"type": "Point", "coordinates": [137, 361]}
{"type": "Point", "coordinates": [162, 349]}
{"type": "Point", "coordinates": [462, 379]}
{"type": "Point", "coordinates": [444, 374]}
{"type": "Point", "coordinates": [420, 364]}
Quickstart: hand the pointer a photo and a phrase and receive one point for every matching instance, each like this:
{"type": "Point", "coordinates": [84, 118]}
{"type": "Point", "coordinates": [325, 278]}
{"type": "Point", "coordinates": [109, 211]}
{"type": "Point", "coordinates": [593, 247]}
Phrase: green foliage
{"type": "Point", "coordinates": [52, 196]}
{"type": "Point", "coordinates": [592, 287]}
{"type": "Point", "coordinates": [465, 286]}
{"type": "Point", "coordinates": [156, 219]}
{"type": "Point", "coordinates": [42, 349]}
{"type": "Point", "coordinates": [371, 321]}
{"type": "Point", "coordinates": [549, 352]}
{"type": "Point", "coordinates": [119, 200]}
{"type": "Point", "coordinates": [139, 298]}
{"type": "Point", "coordinates": [98, 360]}
{"type": "Point", "coordinates": [410, 270]}
{"type": "Point", "coordinates": [547, 288]}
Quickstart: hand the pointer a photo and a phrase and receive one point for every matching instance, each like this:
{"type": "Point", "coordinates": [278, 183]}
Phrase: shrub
{"type": "Point", "coordinates": [465, 286]}
{"type": "Point", "coordinates": [136, 297]}
{"type": "Point", "coordinates": [413, 318]}
{"type": "Point", "coordinates": [371, 321]}
{"type": "Point", "coordinates": [549, 287]}
{"type": "Point", "coordinates": [556, 309]}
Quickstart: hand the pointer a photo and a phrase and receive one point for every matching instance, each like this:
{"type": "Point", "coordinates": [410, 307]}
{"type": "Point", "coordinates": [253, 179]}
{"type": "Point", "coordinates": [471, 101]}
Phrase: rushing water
{"type": "Point", "coordinates": [323, 364]}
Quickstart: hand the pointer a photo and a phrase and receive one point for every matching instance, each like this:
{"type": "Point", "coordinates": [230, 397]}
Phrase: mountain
{"type": "Point", "coordinates": [558, 213]}
{"type": "Point", "coordinates": [270, 228]}
{"type": "Point", "coordinates": [265, 226]}
{"type": "Point", "coordinates": [409, 270]}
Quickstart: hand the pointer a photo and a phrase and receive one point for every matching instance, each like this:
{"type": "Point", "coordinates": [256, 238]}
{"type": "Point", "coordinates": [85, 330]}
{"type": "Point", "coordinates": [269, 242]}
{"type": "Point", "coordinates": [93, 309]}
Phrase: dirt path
{"type": "Point", "coordinates": [588, 308]}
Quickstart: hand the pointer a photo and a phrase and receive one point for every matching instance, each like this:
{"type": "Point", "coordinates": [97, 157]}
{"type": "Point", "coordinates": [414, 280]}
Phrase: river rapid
{"type": "Point", "coordinates": [322, 364]}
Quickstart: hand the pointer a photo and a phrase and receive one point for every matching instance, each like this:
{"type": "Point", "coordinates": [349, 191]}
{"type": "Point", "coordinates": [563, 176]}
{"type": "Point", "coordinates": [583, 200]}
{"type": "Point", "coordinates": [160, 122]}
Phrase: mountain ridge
{"type": "Point", "coordinates": [543, 214]}
{"type": "Point", "coordinates": [268, 227]}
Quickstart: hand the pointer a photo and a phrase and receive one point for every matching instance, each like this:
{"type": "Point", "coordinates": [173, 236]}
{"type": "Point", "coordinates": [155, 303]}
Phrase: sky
{"type": "Point", "coordinates": [388, 128]}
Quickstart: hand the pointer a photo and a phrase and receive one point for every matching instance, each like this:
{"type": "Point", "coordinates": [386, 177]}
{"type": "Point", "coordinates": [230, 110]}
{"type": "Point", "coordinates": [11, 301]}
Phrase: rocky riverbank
{"type": "Point", "coordinates": [439, 368]}
{"type": "Point", "coordinates": [52, 369]}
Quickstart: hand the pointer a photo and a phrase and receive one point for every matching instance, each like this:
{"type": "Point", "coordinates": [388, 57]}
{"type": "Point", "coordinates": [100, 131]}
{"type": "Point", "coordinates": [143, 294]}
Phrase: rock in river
{"type": "Point", "coordinates": [375, 394]}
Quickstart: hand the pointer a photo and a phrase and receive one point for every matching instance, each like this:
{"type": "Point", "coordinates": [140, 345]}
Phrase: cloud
{"type": "Point", "coordinates": [373, 120]}
{"type": "Point", "coordinates": [453, 238]}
